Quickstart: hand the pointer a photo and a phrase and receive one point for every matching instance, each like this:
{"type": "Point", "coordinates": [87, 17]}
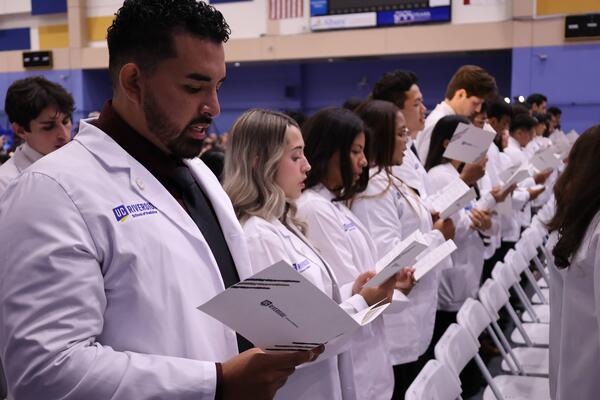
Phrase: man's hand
{"type": "Point", "coordinates": [541, 177]}
{"type": "Point", "coordinates": [480, 219]}
{"type": "Point", "coordinates": [446, 226]}
{"type": "Point", "coordinates": [405, 280]}
{"type": "Point", "coordinates": [471, 173]}
{"type": "Point", "coordinates": [500, 195]}
{"type": "Point", "coordinates": [535, 192]}
{"type": "Point", "coordinates": [255, 374]}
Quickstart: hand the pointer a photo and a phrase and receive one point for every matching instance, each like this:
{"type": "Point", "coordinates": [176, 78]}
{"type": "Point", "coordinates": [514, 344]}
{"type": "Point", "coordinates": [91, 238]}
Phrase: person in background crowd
{"type": "Point", "coordinates": [352, 102]}
{"type": "Point", "coordinates": [537, 102]}
{"type": "Point", "coordinates": [401, 88]}
{"type": "Point", "coordinates": [40, 114]}
{"type": "Point", "coordinates": [468, 88]}
{"type": "Point", "coordinates": [499, 116]}
{"type": "Point", "coordinates": [574, 274]}
{"type": "Point", "coordinates": [297, 116]}
{"type": "Point", "coordinates": [391, 211]}
{"type": "Point", "coordinates": [264, 175]}
{"type": "Point", "coordinates": [555, 114]}
{"type": "Point", "coordinates": [336, 143]}
{"type": "Point", "coordinates": [480, 118]}
{"type": "Point", "coordinates": [127, 232]}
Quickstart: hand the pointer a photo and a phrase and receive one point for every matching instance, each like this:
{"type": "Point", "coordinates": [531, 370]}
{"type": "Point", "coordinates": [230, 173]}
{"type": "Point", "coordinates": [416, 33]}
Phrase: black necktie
{"type": "Point", "coordinates": [199, 208]}
{"type": "Point", "coordinates": [414, 150]}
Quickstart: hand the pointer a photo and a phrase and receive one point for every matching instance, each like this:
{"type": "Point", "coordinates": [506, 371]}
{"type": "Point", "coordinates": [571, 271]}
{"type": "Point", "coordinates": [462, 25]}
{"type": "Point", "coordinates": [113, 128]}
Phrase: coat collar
{"type": "Point", "coordinates": [144, 184]}
{"type": "Point", "coordinates": [25, 156]}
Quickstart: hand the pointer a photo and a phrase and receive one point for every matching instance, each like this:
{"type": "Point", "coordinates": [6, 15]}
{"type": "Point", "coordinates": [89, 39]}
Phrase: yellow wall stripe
{"type": "Point", "coordinates": [97, 26]}
{"type": "Point", "coordinates": [54, 36]}
{"type": "Point", "coordinates": [549, 7]}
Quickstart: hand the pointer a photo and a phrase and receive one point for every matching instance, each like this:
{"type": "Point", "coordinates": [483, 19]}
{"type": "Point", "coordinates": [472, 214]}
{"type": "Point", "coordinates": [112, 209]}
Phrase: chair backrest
{"type": "Point", "coordinates": [504, 275]}
{"type": "Point", "coordinates": [473, 317]}
{"type": "Point", "coordinates": [493, 297]}
{"type": "Point", "coordinates": [435, 382]}
{"type": "Point", "coordinates": [525, 248]}
{"type": "Point", "coordinates": [515, 261]}
{"type": "Point", "coordinates": [456, 348]}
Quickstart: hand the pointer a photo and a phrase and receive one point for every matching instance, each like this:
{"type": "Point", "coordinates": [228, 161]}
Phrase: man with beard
{"type": "Point", "coordinates": [110, 243]}
{"type": "Point", "coordinates": [466, 92]}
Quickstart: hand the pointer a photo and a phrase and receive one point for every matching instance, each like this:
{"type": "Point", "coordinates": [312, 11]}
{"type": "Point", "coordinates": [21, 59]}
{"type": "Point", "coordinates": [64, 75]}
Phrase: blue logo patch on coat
{"type": "Point", "coordinates": [301, 266]}
{"type": "Point", "coordinates": [122, 211]}
{"type": "Point", "coordinates": [349, 226]}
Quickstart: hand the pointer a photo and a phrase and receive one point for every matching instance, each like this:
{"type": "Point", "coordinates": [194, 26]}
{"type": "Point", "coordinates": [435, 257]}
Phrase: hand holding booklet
{"type": "Point", "coordinates": [514, 175]}
{"type": "Point", "coordinates": [404, 254]}
{"type": "Point", "coordinates": [469, 143]}
{"type": "Point", "coordinates": [545, 159]}
{"type": "Point", "coordinates": [452, 198]}
{"type": "Point", "coordinates": [277, 309]}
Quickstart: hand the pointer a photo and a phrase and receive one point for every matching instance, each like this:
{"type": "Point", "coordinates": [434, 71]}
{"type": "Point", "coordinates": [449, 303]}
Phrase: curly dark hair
{"type": "Point", "coordinates": [142, 31]}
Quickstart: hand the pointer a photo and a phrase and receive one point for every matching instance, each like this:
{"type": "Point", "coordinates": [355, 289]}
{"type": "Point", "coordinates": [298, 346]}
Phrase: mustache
{"type": "Point", "coordinates": [203, 119]}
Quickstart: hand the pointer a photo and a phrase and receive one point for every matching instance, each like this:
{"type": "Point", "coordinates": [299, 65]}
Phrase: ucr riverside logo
{"type": "Point", "coordinates": [269, 304]}
{"type": "Point", "coordinates": [134, 210]}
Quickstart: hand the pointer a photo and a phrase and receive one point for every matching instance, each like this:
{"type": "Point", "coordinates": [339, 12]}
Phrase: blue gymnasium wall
{"type": "Point", "coordinates": [569, 76]}
{"type": "Point", "coordinates": [309, 86]}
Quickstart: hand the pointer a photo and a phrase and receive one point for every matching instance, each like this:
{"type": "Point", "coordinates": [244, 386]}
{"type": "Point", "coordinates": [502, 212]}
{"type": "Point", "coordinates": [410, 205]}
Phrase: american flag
{"type": "Point", "coordinates": [282, 9]}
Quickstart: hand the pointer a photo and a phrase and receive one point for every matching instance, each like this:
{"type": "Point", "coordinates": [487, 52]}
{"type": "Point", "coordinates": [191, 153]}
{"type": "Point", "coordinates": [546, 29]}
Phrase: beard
{"type": "Point", "coordinates": [168, 132]}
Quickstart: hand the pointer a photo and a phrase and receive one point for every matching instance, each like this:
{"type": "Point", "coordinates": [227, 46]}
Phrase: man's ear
{"type": "Point", "coordinates": [460, 94]}
{"type": "Point", "coordinates": [19, 130]}
{"type": "Point", "coordinates": [130, 82]}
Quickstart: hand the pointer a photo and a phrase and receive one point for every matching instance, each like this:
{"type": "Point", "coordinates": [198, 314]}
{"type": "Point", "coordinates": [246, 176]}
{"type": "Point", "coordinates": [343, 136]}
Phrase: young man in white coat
{"type": "Point", "coordinates": [128, 232]}
{"type": "Point", "coordinates": [40, 114]}
{"type": "Point", "coordinates": [466, 92]}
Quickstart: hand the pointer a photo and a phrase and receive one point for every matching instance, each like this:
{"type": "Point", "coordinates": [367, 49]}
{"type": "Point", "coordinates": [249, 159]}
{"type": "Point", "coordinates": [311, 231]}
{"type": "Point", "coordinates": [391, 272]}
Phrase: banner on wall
{"type": "Point", "coordinates": [283, 9]}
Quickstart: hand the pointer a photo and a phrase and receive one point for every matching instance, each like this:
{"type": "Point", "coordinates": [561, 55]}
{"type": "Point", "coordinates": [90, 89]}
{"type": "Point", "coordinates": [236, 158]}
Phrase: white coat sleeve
{"type": "Point", "coordinates": [52, 304]}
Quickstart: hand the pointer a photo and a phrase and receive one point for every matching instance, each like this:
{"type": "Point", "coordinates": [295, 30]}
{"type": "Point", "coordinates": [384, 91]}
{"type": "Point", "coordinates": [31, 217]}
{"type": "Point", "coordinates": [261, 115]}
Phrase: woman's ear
{"type": "Point", "coordinates": [446, 142]}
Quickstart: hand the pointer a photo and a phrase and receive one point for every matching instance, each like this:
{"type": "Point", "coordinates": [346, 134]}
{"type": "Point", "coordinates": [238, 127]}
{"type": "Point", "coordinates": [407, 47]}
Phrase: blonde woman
{"type": "Point", "coordinates": [265, 170]}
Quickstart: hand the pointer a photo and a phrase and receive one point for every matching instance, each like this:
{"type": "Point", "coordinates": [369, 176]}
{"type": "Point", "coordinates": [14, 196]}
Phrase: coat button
{"type": "Point", "coordinates": [139, 183]}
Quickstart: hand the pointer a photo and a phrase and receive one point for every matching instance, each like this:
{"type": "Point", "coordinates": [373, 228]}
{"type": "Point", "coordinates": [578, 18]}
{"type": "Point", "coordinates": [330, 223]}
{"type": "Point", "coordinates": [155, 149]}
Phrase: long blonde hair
{"type": "Point", "coordinates": [256, 144]}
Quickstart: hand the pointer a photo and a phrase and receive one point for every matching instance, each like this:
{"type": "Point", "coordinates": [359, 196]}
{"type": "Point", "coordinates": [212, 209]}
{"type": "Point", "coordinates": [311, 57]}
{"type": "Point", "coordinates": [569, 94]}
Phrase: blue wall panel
{"type": "Point", "coordinates": [15, 39]}
{"type": "Point", "coordinates": [41, 7]}
{"type": "Point", "coordinates": [568, 75]}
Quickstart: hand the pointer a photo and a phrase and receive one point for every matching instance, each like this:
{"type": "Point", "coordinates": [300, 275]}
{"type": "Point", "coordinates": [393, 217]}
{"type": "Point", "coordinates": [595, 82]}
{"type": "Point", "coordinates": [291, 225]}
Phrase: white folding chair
{"type": "Point", "coordinates": [518, 360]}
{"type": "Point", "coordinates": [435, 382]}
{"type": "Point", "coordinates": [494, 297]}
{"type": "Point", "coordinates": [520, 265]}
{"type": "Point", "coordinates": [457, 347]}
{"type": "Point", "coordinates": [507, 277]}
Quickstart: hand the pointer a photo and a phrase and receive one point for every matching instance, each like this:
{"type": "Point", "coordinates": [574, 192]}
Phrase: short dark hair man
{"type": "Point", "coordinates": [499, 115]}
{"type": "Point", "coordinates": [127, 232]}
{"type": "Point", "coordinates": [468, 88]}
{"type": "Point", "coordinates": [555, 114]}
{"type": "Point", "coordinates": [537, 103]}
{"type": "Point", "coordinates": [40, 114]}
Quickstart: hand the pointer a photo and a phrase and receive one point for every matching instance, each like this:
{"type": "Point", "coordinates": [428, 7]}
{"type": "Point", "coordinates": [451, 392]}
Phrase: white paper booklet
{"type": "Point", "coordinates": [572, 136]}
{"type": "Point", "coordinates": [514, 175]}
{"type": "Point", "coordinates": [469, 144]}
{"type": "Point", "coordinates": [544, 159]}
{"type": "Point", "coordinates": [452, 198]}
{"type": "Point", "coordinates": [277, 309]}
{"type": "Point", "coordinates": [404, 254]}
{"type": "Point", "coordinates": [433, 258]}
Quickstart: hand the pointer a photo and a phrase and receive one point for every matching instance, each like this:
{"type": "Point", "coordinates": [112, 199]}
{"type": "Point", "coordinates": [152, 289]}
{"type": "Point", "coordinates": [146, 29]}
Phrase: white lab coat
{"type": "Point", "coordinates": [461, 281]}
{"type": "Point", "coordinates": [575, 320]}
{"type": "Point", "coordinates": [390, 216]}
{"type": "Point", "coordinates": [23, 157]}
{"type": "Point", "coordinates": [412, 172]}
{"type": "Point", "coordinates": [440, 111]}
{"type": "Point", "coordinates": [347, 247]}
{"type": "Point", "coordinates": [519, 156]}
{"type": "Point", "coordinates": [272, 241]}
{"type": "Point", "coordinates": [96, 308]}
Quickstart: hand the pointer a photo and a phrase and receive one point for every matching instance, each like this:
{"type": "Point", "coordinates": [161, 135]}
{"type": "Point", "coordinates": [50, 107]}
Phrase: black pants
{"type": "Point", "coordinates": [490, 263]}
{"type": "Point", "coordinates": [405, 374]}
